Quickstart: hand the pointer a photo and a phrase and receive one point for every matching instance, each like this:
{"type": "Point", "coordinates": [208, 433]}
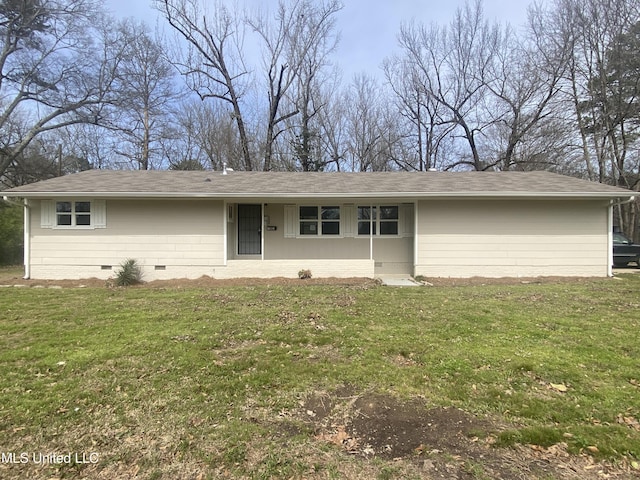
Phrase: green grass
{"type": "Point", "coordinates": [167, 383]}
{"type": "Point", "coordinates": [9, 272]}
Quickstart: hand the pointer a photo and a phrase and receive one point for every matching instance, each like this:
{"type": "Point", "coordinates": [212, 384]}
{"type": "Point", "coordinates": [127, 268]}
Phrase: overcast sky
{"type": "Point", "coordinates": [368, 28]}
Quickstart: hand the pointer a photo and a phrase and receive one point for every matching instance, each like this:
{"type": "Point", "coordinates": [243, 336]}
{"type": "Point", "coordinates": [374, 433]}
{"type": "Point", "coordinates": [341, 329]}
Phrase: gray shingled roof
{"type": "Point", "coordinates": [176, 184]}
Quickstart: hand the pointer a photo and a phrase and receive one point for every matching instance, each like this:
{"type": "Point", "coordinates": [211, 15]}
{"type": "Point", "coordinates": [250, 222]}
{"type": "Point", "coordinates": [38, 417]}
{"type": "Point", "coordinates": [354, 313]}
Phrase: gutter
{"type": "Point", "coordinates": [354, 195]}
{"type": "Point", "coordinates": [27, 233]}
{"type": "Point", "coordinates": [623, 202]}
{"type": "Point", "coordinates": [11, 202]}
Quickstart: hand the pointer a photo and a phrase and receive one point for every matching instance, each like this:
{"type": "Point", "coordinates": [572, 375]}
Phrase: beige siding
{"type": "Point", "coordinates": [393, 256]}
{"type": "Point", "coordinates": [289, 268]}
{"type": "Point", "coordinates": [169, 239]}
{"type": "Point", "coordinates": [517, 238]}
{"type": "Point", "coordinates": [185, 238]}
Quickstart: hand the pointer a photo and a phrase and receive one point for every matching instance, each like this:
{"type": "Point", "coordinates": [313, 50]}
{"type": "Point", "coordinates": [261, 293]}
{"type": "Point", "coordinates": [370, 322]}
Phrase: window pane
{"type": "Point", "coordinates": [388, 228]}
{"type": "Point", "coordinates": [330, 228]}
{"type": "Point", "coordinates": [83, 207]}
{"type": "Point", "coordinates": [363, 228]}
{"type": "Point", "coordinates": [388, 213]}
{"type": "Point", "coordinates": [364, 213]}
{"type": "Point", "coordinates": [63, 207]}
{"type": "Point", "coordinates": [308, 213]}
{"type": "Point", "coordinates": [308, 228]}
{"type": "Point", "coordinates": [64, 219]}
{"type": "Point", "coordinates": [83, 219]}
{"type": "Point", "coordinates": [331, 213]}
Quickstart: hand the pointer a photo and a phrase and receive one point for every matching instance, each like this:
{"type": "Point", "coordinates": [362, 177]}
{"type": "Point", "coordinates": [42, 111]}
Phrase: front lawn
{"type": "Point", "coordinates": [285, 381]}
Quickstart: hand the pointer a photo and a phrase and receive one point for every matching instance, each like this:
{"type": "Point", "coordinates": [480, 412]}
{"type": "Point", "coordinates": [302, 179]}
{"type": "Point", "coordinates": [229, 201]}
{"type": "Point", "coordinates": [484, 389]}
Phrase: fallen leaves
{"type": "Point", "coordinates": [341, 438]}
{"type": "Point", "coordinates": [629, 421]}
{"type": "Point", "coordinates": [556, 450]}
{"type": "Point", "coordinates": [558, 387]}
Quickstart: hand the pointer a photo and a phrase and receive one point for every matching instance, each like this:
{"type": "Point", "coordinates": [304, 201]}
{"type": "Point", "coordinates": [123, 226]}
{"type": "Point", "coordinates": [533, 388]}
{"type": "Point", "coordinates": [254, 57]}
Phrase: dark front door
{"type": "Point", "coordinates": [249, 229]}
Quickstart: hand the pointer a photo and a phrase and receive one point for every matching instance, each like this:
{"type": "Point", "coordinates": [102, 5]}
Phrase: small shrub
{"type": "Point", "coordinates": [304, 274]}
{"type": "Point", "coordinates": [129, 273]}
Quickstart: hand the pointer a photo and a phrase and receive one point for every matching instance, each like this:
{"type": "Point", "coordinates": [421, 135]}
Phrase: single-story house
{"type": "Point", "coordinates": [186, 224]}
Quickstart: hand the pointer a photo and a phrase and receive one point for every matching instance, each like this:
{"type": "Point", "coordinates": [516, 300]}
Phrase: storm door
{"type": "Point", "coordinates": [249, 229]}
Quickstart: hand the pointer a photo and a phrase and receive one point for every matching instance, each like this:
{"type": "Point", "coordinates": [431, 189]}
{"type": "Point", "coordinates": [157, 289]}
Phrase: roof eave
{"type": "Point", "coordinates": [271, 196]}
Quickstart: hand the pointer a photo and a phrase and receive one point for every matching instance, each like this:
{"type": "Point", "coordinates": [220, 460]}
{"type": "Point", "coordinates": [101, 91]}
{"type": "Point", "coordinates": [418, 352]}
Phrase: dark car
{"type": "Point", "coordinates": [624, 250]}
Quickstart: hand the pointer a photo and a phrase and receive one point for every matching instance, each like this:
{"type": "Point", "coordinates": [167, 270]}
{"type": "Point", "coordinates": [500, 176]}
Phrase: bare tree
{"type": "Point", "coordinates": [592, 29]}
{"type": "Point", "coordinates": [57, 68]}
{"type": "Point", "coordinates": [296, 45]}
{"type": "Point", "coordinates": [451, 63]}
{"type": "Point", "coordinates": [147, 94]}
{"type": "Point", "coordinates": [524, 78]}
{"type": "Point", "coordinates": [333, 127]}
{"type": "Point", "coordinates": [367, 126]}
{"type": "Point", "coordinates": [602, 88]}
{"type": "Point", "coordinates": [312, 99]}
{"type": "Point", "coordinates": [207, 134]}
{"type": "Point", "coordinates": [213, 62]}
{"type": "Point", "coordinates": [424, 126]}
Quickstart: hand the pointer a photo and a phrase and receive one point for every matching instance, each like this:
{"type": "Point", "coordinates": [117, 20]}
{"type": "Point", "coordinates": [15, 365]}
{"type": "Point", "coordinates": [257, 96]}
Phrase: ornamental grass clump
{"type": "Point", "coordinates": [129, 273]}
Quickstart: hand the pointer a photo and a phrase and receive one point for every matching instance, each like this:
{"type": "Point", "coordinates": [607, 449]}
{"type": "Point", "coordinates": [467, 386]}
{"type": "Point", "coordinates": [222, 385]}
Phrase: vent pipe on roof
{"type": "Point", "coordinates": [224, 168]}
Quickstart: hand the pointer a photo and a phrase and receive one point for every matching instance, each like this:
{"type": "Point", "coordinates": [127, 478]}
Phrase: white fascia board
{"type": "Point", "coordinates": [359, 195]}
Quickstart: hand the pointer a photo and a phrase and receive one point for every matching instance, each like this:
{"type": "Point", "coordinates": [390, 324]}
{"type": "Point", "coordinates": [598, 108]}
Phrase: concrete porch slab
{"type": "Point", "coordinates": [398, 281]}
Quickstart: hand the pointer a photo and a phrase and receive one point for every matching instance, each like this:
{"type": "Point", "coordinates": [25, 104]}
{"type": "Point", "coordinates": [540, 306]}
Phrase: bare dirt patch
{"type": "Point", "coordinates": [13, 277]}
{"type": "Point", "coordinates": [208, 282]}
{"type": "Point", "coordinates": [438, 442]}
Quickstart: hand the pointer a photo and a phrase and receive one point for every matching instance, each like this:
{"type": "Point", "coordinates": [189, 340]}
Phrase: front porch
{"type": "Point", "coordinates": [330, 238]}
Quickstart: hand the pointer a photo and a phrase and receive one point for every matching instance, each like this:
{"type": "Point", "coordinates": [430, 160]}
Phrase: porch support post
{"type": "Point", "coordinates": [415, 236]}
{"type": "Point", "coordinates": [225, 231]}
{"type": "Point", "coordinates": [262, 230]}
{"type": "Point", "coordinates": [370, 232]}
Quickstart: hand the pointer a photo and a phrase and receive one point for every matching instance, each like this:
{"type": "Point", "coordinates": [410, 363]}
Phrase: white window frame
{"type": "Point", "coordinates": [318, 221]}
{"type": "Point", "coordinates": [49, 214]}
{"type": "Point", "coordinates": [376, 221]}
{"type": "Point", "coordinates": [73, 213]}
{"type": "Point", "coordinates": [349, 220]}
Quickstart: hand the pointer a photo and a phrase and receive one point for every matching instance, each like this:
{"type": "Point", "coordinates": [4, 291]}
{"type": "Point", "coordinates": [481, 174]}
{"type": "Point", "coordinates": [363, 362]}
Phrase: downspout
{"type": "Point", "coordinates": [612, 204]}
{"type": "Point", "coordinates": [27, 234]}
{"type": "Point", "coordinates": [415, 237]}
{"type": "Point", "coordinates": [27, 240]}
{"type": "Point", "coordinates": [610, 239]}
